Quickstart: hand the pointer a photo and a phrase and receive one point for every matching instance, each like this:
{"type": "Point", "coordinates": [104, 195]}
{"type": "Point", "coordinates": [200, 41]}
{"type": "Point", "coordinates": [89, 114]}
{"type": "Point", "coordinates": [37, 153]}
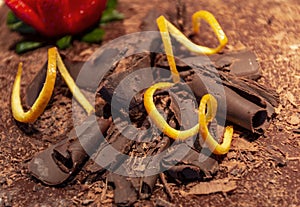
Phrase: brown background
{"type": "Point", "coordinates": [266, 170]}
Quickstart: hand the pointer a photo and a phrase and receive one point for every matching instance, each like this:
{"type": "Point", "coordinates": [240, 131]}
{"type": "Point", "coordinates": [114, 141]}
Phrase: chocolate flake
{"type": "Point", "coordinates": [62, 161]}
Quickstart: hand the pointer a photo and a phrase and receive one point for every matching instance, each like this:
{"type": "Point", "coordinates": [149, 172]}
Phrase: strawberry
{"type": "Point", "coordinates": [54, 18]}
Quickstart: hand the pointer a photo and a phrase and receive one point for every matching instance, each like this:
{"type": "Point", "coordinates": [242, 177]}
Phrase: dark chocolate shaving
{"type": "Point", "coordinates": [124, 192]}
{"type": "Point", "coordinates": [62, 161]}
{"type": "Point", "coordinates": [34, 88]}
{"type": "Point", "coordinates": [242, 64]}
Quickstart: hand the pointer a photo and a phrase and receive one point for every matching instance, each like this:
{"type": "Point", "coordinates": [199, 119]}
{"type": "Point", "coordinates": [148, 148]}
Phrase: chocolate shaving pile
{"type": "Point", "coordinates": [249, 106]}
{"type": "Point", "coordinates": [132, 161]}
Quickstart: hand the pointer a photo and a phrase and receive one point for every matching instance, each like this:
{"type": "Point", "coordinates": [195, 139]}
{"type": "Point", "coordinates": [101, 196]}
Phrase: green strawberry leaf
{"type": "Point", "coordinates": [64, 42]}
{"type": "Point", "coordinates": [111, 15]}
{"type": "Point", "coordinates": [15, 24]}
{"type": "Point", "coordinates": [22, 47]}
{"type": "Point", "coordinates": [11, 18]}
{"type": "Point", "coordinates": [111, 4]}
{"type": "Point", "coordinates": [95, 36]}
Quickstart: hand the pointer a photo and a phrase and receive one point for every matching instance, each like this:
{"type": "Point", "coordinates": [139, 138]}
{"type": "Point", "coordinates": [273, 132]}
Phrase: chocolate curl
{"type": "Point", "coordinates": [254, 92]}
{"type": "Point", "coordinates": [241, 64]}
{"type": "Point", "coordinates": [251, 115]}
{"type": "Point", "coordinates": [244, 113]}
{"type": "Point", "coordinates": [62, 161]}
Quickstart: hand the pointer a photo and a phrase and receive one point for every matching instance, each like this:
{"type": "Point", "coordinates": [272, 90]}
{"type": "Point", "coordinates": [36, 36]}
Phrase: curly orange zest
{"type": "Point", "coordinates": [208, 103]}
{"type": "Point", "coordinates": [159, 120]}
{"type": "Point", "coordinates": [41, 102]}
{"type": "Point", "coordinates": [54, 60]}
{"type": "Point", "coordinates": [73, 87]}
{"type": "Point", "coordinates": [211, 20]}
{"type": "Point", "coordinates": [166, 28]}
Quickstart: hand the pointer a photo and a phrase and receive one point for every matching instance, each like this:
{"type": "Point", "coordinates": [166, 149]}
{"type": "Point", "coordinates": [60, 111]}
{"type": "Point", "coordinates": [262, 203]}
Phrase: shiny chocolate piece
{"type": "Point", "coordinates": [246, 108]}
{"type": "Point", "coordinates": [34, 88]}
{"type": "Point", "coordinates": [242, 64]}
{"type": "Point", "coordinates": [60, 162]}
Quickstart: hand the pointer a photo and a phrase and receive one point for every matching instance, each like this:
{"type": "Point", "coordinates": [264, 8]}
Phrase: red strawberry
{"type": "Point", "coordinates": [58, 17]}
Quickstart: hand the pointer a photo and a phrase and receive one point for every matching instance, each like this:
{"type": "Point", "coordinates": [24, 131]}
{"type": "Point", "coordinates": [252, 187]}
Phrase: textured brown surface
{"type": "Point", "coordinates": [266, 170]}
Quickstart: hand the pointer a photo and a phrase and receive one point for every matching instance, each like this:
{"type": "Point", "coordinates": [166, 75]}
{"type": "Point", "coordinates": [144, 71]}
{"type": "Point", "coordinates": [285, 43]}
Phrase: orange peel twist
{"type": "Point", "coordinates": [166, 28]}
{"type": "Point", "coordinates": [38, 107]}
{"type": "Point", "coordinates": [42, 100]}
{"type": "Point", "coordinates": [208, 104]}
{"type": "Point", "coordinates": [207, 112]}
